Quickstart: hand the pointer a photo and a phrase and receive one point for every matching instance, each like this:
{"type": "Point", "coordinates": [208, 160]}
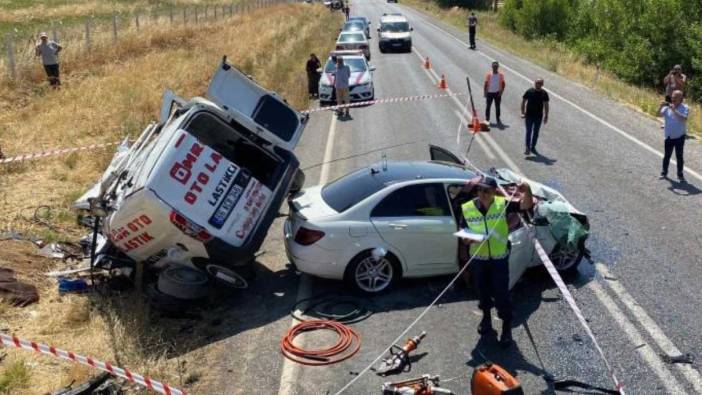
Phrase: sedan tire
{"type": "Point", "coordinates": [566, 260]}
{"type": "Point", "coordinates": [367, 276]}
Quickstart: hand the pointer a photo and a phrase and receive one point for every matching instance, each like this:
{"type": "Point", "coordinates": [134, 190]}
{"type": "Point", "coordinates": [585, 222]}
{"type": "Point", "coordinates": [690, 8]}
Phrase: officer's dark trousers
{"type": "Point", "coordinates": [492, 283]}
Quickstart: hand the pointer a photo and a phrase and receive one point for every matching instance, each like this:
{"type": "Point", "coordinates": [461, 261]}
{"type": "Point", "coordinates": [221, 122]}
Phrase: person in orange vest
{"type": "Point", "coordinates": [493, 88]}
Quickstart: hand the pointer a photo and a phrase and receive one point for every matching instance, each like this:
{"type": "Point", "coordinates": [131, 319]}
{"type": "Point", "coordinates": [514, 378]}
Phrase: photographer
{"type": "Point", "coordinates": [675, 80]}
{"type": "Point", "coordinates": [675, 114]}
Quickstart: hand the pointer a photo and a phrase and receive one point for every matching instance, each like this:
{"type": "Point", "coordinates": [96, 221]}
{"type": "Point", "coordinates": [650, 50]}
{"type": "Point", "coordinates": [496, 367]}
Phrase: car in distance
{"type": "Point", "coordinates": [361, 86]}
{"type": "Point", "coordinates": [411, 210]}
{"type": "Point", "coordinates": [353, 40]}
{"type": "Point", "coordinates": [394, 33]}
{"type": "Point", "coordinates": [365, 21]}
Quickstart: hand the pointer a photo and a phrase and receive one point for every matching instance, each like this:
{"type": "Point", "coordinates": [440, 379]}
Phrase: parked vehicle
{"type": "Point", "coordinates": [353, 40]}
{"type": "Point", "coordinates": [365, 21]}
{"type": "Point", "coordinates": [204, 185]}
{"type": "Point", "coordinates": [361, 86]}
{"type": "Point", "coordinates": [411, 210]}
{"type": "Point", "coordinates": [394, 33]}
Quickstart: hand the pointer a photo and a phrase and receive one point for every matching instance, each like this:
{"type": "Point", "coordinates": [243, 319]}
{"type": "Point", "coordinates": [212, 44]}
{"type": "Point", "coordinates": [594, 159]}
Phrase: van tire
{"type": "Point", "coordinates": [183, 282]}
{"type": "Point", "coordinates": [298, 182]}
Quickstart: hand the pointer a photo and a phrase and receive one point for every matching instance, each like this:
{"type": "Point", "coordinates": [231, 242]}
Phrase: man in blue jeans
{"type": "Point", "coordinates": [675, 129]}
{"type": "Point", "coordinates": [534, 111]}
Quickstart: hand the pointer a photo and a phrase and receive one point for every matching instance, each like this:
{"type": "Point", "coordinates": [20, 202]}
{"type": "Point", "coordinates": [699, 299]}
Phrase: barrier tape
{"type": "Point", "coordinates": [399, 99]}
{"type": "Point", "coordinates": [553, 272]}
{"type": "Point", "coordinates": [55, 152]}
{"type": "Point", "coordinates": [153, 385]}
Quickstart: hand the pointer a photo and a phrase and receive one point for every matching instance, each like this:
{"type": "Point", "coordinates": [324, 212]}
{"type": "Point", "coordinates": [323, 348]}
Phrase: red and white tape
{"type": "Point", "coordinates": [579, 314]}
{"type": "Point", "coordinates": [55, 152]}
{"type": "Point", "coordinates": [384, 100]}
{"type": "Point", "coordinates": [153, 385]}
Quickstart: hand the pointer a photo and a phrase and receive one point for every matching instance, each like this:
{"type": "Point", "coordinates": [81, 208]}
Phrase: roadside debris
{"type": "Point", "coordinates": [490, 379]}
{"type": "Point", "coordinates": [425, 385]}
{"type": "Point", "coordinates": [14, 292]}
{"type": "Point", "coordinates": [90, 387]}
{"type": "Point", "coordinates": [399, 359]}
{"type": "Point", "coordinates": [682, 358]}
{"type": "Point", "coordinates": [67, 285]}
{"type": "Point", "coordinates": [347, 345]}
{"type": "Point", "coordinates": [344, 309]}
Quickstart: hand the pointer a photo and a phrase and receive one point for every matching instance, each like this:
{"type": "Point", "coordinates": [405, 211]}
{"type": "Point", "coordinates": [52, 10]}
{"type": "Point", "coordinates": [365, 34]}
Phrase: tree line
{"type": "Point", "coordinates": [637, 40]}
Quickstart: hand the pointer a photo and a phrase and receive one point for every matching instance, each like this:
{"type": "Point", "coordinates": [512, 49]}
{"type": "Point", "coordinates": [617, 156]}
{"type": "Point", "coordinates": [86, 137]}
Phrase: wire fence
{"type": "Point", "coordinates": [18, 58]}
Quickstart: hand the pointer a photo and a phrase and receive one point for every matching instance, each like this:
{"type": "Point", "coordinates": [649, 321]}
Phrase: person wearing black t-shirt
{"type": "Point", "coordinates": [534, 111]}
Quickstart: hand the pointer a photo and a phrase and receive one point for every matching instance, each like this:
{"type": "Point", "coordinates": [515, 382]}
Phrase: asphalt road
{"type": "Point", "coordinates": [641, 299]}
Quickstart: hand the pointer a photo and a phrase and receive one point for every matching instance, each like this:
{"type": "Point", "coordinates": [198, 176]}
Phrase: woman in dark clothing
{"type": "Point", "coordinates": [313, 75]}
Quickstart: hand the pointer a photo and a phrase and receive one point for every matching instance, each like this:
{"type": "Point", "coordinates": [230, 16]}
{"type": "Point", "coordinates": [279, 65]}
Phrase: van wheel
{"type": "Point", "coordinates": [368, 276]}
{"type": "Point", "coordinates": [298, 182]}
{"type": "Point", "coordinates": [183, 282]}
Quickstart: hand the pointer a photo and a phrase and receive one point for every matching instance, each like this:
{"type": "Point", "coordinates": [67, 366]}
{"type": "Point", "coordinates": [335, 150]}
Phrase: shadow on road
{"type": "Point", "coordinates": [683, 188]}
{"type": "Point", "coordinates": [540, 158]}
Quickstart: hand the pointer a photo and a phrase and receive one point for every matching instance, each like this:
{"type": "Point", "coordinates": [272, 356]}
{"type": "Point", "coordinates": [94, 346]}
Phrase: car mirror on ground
{"type": "Point", "coordinates": [372, 68]}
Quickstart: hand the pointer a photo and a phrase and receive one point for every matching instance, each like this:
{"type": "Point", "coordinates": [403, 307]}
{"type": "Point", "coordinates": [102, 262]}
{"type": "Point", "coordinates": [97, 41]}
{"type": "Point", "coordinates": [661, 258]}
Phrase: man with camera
{"type": "Point", "coordinates": [675, 114]}
{"type": "Point", "coordinates": [675, 80]}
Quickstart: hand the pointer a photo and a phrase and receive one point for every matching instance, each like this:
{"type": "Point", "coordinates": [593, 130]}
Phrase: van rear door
{"type": "Point", "coordinates": [275, 120]}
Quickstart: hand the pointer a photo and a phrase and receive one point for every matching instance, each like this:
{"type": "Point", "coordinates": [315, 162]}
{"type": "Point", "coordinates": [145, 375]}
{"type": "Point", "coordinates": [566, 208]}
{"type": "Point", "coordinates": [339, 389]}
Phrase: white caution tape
{"type": "Point", "coordinates": [573, 306]}
{"type": "Point", "coordinates": [55, 152]}
{"type": "Point", "coordinates": [153, 385]}
{"type": "Point", "coordinates": [384, 100]}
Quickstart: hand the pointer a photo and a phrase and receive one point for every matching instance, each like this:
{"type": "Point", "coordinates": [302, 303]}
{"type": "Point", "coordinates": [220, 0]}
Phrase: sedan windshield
{"type": "Point", "coordinates": [395, 27]}
{"type": "Point", "coordinates": [351, 38]}
{"type": "Point", "coordinates": [348, 190]}
{"type": "Point", "coordinates": [353, 27]}
{"type": "Point", "coordinates": [356, 65]}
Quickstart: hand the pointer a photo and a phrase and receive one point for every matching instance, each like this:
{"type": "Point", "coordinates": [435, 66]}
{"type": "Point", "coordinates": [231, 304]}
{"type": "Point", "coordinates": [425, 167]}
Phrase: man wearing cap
{"type": "Point", "coordinates": [487, 215]}
{"type": "Point", "coordinates": [48, 50]}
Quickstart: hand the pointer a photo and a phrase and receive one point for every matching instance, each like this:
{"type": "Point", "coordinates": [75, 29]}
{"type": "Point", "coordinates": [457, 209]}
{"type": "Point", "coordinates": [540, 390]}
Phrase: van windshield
{"type": "Point", "coordinates": [394, 27]}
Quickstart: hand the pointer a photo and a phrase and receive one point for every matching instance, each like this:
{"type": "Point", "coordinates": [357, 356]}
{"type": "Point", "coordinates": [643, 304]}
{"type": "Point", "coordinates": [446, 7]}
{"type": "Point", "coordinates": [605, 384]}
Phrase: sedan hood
{"type": "Point", "coordinates": [361, 77]}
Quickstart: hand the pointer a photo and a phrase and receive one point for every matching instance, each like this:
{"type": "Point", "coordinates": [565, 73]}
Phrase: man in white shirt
{"type": "Point", "coordinates": [492, 88]}
{"type": "Point", "coordinates": [48, 50]}
{"type": "Point", "coordinates": [675, 114]}
{"type": "Point", "coordinates": [341, 85]}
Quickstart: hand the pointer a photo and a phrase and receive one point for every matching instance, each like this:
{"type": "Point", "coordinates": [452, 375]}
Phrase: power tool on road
{"type": "Point", "coordinates": [399, 360]}
{"type": "Point", "coordinates": [425, 385]}
{"type": "Point", "coordinates": [492, 379]}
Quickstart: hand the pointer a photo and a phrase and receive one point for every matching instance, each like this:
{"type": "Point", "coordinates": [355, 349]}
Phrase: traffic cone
{"type": "Point", "coordinates": [442, 83]}
{"type": "Point", "coordinates": [427, 63]}
{"type": "Point", "coordinates": [476, 124]}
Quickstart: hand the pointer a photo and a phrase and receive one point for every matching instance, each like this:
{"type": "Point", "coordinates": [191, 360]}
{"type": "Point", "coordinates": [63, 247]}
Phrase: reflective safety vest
{"type": "Point", "coordinates": [501, 83]}
{"type": "Point", "coordinates": [495, 220]}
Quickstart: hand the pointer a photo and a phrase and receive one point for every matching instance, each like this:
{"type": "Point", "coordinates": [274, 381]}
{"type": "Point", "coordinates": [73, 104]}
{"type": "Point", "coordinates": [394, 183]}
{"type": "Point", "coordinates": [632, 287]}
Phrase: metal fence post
{"type": "Point", "coordinates": [114, 27]}
{"type": "Point", "coordinates": [10, 56]}
{"type": "Point", "coordinates": [171, 14]}
{"type": "Point", "coordinates": [136, 20]}
{"type": "Point", "coordinates": [185, 16]}
{"type": "Point", "coordinates": [87, 35]}
{"type": "Point", "coordinates": [206, 12]}
{"type": "Point", "coordinates": [196, 15]}
{"type": "Point", "coordinates": [215, 12]}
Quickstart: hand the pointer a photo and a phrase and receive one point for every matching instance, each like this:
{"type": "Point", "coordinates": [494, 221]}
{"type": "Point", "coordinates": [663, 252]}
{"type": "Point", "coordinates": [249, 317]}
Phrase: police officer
{"type": "Point", "coordinates": [487, 215]}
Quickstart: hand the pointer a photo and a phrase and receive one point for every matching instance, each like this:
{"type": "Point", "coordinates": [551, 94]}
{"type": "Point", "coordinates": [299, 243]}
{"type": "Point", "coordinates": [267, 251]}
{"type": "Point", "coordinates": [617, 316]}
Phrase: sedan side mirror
{"type": "Point", "coordinates": [372, 68]}
{"type": "Point", "coordinates": [411, 29]}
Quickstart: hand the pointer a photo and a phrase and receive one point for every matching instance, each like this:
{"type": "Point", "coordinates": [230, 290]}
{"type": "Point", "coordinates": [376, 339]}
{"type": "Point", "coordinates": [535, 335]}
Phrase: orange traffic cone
{"type": "Point", "coordinates": [442, 82]}
{"type": "Point", "coordinates": [427, 63]}
{"type": "Point", "coordinates": [476, 124]}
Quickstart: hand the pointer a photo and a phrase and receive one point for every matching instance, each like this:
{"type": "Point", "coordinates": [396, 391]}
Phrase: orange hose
{"type": "Point", "coordinates": [346, 346]}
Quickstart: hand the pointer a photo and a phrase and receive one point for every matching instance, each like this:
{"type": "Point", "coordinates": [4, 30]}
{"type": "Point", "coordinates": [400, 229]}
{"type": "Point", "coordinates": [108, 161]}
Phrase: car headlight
{"type": "Point", "coordinates": [363, 86]}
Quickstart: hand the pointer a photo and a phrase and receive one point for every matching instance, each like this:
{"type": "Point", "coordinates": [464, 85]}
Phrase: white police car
{"type": "Point", "coordinates": [360, 82]}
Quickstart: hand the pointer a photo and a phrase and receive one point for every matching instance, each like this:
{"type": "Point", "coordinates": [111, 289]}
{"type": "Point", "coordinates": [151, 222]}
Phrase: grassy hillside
{"type": "Point", "coordinates": [112, 94]}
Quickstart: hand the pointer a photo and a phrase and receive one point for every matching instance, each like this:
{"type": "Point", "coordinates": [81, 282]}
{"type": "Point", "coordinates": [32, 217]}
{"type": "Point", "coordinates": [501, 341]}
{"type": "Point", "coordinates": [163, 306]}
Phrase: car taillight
{"type": "Point", "coordinates": [191, 229]}
{"type": "Point", "coordinates": [307, 237]}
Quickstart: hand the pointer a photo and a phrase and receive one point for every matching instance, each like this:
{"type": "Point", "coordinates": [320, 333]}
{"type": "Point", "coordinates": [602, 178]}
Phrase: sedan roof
{"type": "Point", "coordinates": [411, 170]}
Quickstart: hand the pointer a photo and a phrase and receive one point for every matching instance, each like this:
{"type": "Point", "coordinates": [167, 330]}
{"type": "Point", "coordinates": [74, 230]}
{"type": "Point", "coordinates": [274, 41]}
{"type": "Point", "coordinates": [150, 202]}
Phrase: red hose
{"type": "Point", "coordinates": [346, 346]}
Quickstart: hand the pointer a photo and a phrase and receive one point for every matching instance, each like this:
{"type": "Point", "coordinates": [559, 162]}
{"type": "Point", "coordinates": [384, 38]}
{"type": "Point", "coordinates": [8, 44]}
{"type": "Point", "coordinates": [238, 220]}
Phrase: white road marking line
{"type": "Point", "coordinates": [690, 373]}
{"type": "Point", "coordinates": [652, 359]}
{"type": "Point", "coordinates": [577, 107]}
{"type": "Point", "coordinates": [289, 374]}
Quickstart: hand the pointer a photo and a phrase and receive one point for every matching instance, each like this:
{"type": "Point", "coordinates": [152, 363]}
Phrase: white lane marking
{"type": "Point", "coordinates": [577, 107]}
{"type": "Point", "coordinates": [652, 359]}
{"type": "Point", "coordinates": [691, 374]}
{"type": "Point", "coordinates": [288, 375]}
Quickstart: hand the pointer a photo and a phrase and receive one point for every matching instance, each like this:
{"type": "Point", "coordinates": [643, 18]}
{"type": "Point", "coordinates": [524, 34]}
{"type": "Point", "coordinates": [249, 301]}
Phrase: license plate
{"type": "Point", "coordinates": [230, 199]}
{"type": "Point", "coordinates": [396, 44]}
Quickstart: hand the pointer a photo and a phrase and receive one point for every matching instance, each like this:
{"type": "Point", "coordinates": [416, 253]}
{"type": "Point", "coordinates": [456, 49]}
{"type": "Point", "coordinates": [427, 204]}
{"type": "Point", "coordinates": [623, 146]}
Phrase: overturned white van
{"type": "Point", "coordinates": [204, 185]}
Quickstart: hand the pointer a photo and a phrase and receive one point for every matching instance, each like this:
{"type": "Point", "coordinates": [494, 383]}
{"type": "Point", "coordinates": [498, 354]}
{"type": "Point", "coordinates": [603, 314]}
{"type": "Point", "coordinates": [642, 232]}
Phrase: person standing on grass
{"type": "Point", "coordinates": [675, 114]}
{"type": "Point", "coordinates": [534, 111]}
{"type": "Point", "coordinates": [472, 25]}
{"type": "Point", "coordinates": [313, 75]}
{"type": "Point", "coordinates": [48, 50]}
{"type": "Point", "coordinates": [675, 80]}
{"type": "Point", "coordinates": [347, 10]}
{"type": "Point", "coordinates": [342, 73]}
{"type": "Point", "coordinates": [493, 88]}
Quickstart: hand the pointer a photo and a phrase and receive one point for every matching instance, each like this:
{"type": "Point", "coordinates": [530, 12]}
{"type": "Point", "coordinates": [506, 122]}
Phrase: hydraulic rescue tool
{"type": "Point", "coordinates": [399, 360]}
{"type": "Point", "coordinates": [425, 385]}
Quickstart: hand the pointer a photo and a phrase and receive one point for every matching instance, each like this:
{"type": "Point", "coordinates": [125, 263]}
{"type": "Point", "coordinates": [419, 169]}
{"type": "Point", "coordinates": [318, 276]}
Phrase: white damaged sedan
{"type": "Point", "coordinates": [360, 81]}
{"type": "Point", "coordinates": [410, 211]}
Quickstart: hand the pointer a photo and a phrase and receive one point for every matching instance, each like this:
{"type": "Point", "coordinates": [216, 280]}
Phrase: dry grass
{"type": "Point", "coordinates": [114, 93]}
{"type": "Point", "coordinates": [555, 57]}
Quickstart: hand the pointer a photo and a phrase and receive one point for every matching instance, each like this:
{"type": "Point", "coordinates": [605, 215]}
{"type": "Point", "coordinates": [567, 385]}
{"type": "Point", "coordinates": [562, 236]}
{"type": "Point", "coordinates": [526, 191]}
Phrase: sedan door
{"type": "Point", "coordinates": [416, 220]}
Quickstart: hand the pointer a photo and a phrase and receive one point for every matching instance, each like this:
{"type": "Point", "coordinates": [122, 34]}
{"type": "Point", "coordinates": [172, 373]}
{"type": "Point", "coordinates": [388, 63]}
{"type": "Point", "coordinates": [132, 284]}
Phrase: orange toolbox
{"type": "Point", "coordinates": [492, 379]}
